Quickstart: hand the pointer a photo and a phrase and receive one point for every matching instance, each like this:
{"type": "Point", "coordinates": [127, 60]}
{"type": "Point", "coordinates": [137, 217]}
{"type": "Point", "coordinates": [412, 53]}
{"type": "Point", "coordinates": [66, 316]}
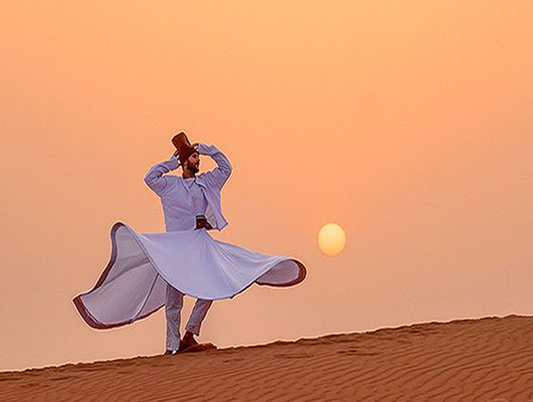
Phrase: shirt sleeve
{"type": "Point", "coordinates": [154, 177]}
{"type": "Point", "coordinates": [221, 173]}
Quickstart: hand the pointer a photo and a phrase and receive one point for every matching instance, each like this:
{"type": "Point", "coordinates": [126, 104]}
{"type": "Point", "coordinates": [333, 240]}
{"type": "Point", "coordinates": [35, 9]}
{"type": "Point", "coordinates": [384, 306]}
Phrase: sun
{"type": "Point", "coordinates": [331, 239]}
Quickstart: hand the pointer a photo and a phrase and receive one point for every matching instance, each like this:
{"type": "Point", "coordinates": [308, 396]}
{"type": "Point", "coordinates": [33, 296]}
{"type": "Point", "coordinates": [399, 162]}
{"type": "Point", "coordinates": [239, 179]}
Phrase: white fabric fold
{"type": "Point", "coordinates": [133, 284]}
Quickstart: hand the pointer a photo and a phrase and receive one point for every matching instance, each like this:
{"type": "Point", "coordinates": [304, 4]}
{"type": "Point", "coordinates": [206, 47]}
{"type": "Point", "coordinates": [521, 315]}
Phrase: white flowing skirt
{"type": "Point", "coordinates": [133, 285]}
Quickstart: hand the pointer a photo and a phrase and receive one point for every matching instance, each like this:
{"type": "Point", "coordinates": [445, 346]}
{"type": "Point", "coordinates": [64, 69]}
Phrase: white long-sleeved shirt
{"type": "Point", "coordinates": [198, 198]}
{"type": "Point", "coordinates": [181, 204]}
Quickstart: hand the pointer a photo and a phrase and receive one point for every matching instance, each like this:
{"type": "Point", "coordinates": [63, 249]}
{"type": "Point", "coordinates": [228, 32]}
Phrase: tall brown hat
{"type": "Point", "coordinates": [184, 147]}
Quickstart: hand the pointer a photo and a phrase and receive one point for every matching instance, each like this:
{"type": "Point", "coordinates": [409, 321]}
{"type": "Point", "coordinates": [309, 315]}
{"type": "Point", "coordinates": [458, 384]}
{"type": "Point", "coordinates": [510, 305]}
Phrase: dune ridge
{"type": "Point", "coordinates": [487, 359]}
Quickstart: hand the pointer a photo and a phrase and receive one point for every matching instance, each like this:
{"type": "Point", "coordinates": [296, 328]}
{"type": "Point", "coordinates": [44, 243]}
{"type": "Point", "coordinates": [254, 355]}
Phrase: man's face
{"type": "Point", "coordinates": [193, 163]}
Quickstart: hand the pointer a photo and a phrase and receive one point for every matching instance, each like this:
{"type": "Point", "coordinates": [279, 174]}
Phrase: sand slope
{"type": "Point", "coordinates": [489, 359]}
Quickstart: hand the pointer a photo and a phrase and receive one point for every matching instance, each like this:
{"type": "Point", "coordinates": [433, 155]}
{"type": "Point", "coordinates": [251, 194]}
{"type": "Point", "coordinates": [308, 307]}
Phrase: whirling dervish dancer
{"type": "Point", "coordinates": [147, 271]}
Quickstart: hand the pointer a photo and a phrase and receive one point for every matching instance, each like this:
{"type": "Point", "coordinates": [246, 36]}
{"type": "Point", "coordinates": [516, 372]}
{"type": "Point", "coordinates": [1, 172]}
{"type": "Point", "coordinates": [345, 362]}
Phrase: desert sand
{"type": "Point", "coordinates": [487, 359]}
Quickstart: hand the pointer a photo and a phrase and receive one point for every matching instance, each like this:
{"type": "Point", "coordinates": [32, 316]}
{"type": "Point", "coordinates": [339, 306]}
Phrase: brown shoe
{"type": "Point", "coordinates": [187, 341]}
{"type": "Point", "coordinates": [197, 348]}
{"type": "Point", "coordinates": [183, 347]}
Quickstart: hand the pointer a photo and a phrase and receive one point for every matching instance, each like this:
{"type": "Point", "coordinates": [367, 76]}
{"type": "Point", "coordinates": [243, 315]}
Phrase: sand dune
{"type": "Point", "coordinates": [488, 359]}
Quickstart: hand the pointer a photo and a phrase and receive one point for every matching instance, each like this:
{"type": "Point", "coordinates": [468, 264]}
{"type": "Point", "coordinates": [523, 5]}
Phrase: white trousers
{"type": "Point", "coordinates": [173, 306]}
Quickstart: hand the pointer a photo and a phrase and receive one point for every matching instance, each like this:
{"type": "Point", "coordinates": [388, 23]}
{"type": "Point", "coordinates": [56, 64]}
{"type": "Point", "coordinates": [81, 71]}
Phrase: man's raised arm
{"type": "Point", "coordinates": [221, 173]}
{"type": "Point", "coordinates": [155, 179]}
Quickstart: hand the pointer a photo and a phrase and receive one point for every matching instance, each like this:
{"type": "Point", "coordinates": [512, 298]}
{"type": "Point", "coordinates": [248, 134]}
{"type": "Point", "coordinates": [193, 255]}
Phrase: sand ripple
{"type": "Point", "coordinates": [489, 359]}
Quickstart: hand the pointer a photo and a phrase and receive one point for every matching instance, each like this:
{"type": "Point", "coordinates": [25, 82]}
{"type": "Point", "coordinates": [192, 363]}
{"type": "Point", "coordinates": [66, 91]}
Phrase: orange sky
{"type": "Point", "coordinates": [408, 123]}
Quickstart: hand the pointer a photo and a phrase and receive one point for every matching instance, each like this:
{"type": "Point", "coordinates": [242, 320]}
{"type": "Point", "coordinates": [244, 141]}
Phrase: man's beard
{"type": "Point", "coordinates": [192, 168]}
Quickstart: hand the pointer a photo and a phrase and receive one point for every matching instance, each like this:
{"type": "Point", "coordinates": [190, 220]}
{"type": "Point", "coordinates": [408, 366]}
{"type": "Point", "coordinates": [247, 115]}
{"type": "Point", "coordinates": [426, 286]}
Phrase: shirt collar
{"type": "Point", "coordinates": [198, 179]}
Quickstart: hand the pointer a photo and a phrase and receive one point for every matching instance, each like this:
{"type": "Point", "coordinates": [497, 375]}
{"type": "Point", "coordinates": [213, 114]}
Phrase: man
{"type": "Point", "coordinates": [147, 271]}
{"type": "Point", "coordinates": [189, 202]}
